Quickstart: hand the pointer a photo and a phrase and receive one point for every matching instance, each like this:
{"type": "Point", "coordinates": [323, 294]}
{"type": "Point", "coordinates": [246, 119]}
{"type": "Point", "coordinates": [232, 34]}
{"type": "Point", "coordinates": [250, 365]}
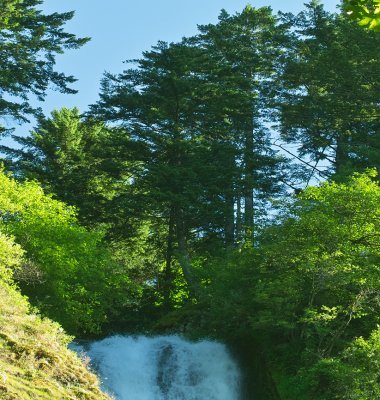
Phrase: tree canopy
{"type": "Point", "coordinates": [365, 12]}
{"type": "Point", "coordinates": [29, 43]}
{"type": "Point", "coordinates": [66, 270]}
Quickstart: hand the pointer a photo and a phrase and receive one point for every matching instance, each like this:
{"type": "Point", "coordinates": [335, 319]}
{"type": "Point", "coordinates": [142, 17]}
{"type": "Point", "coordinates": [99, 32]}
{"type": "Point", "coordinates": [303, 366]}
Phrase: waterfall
{"type": "Point", "coordinates": [164, 368]}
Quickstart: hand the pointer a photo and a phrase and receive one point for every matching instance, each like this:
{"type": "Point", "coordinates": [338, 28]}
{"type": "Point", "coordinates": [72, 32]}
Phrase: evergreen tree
{"type": "Point", "coordinates": [154, 103]}
{"type": "Point", "coordinates": [243, 50]}
{"type": "Point", "coordinates": [196, 111]}
{"type": "Point", "coordinates": [72, 159]}
{"type": "Point", "coordinates": [330, 98]}
{"type": "Point", "coordinates": [29, 42]}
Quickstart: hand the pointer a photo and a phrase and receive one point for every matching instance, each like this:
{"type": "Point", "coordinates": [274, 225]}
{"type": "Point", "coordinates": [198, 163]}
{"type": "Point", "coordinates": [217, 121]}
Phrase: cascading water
{"type": "Point", "coordinates": [165, 368]}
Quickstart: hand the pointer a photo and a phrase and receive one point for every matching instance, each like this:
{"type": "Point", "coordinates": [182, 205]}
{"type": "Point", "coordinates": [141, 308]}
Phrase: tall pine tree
{"type": "Point", "coordinates": [29, 42]}
{"type": "Point", "coordinates": [331, 92]}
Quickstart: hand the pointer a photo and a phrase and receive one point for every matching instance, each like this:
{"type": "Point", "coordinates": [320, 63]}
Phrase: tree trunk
{"type": "Point", "coordinates": [248, 180]}
{"type": "Point", "coordinates": [341, 156]}
{"type": "Point", "coordinates": [168, 273]}
{"type": "Point", "coordinates": [183, 253]}
{"type": "Point", "coordinates": [229, 217]}
{"type": "Point", "coordinates": [239, 220]}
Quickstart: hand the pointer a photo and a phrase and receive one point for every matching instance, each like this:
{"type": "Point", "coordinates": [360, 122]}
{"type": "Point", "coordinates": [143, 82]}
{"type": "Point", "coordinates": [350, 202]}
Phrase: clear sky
{"type": "Point", "coordinates": [123, 29]}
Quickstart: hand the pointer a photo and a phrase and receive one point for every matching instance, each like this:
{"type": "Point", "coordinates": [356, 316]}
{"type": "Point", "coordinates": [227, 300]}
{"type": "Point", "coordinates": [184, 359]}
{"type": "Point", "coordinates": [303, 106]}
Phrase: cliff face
{"type": "Point", "coordinates": [34, 360]}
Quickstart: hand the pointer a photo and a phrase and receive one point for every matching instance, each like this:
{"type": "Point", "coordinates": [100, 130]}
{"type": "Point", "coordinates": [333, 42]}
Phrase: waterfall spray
{"type": "Point", "coordinates": [165, 368]}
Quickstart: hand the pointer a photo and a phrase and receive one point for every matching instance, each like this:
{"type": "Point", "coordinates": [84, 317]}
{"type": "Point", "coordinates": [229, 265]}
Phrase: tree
{"type": "Point", "coordinates": [84, 164]}
{"type": "Point", "coordinates": [195, 112]}
{"type": "Point", "coordinates": [318, 289]}
{"type": "Point", "coordinates": [66, 271]}
{"type": "Point", "coordinates": [154, 103]}
{"type": "Point", "coordinates": [243, 50]}
{"type": "Point", "coordinates": [73, 159]}
{"type": "Point", "coordinates": [10, 257]}
{"type": "Point", "coordinates": [29, 42]}
{"type": "Point", "coordinates": [329, 103]}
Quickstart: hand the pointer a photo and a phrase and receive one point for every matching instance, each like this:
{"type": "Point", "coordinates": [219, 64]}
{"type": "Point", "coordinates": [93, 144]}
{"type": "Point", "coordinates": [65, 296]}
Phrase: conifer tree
{"type": "Point", "coordinates": [29, 42]}
{"type": "Point", "coordinates": [330, 102]}
{"type": "Point", "coordinates": [153, 101]}
{"type": "Point", "coordinates": [243, 51]}
{"type": "Point", "coordinates": [195, 110]}
{"type": "Point", "coordinates": [71, 157]}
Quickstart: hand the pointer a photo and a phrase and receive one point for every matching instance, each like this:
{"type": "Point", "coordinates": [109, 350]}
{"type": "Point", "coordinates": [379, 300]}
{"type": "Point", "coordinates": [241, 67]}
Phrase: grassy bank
{"type": "Point", "coordinates": [34, 360]}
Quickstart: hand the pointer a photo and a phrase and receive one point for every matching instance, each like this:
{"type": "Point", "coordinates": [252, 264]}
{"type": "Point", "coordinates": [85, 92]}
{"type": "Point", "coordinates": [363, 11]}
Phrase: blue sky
{"type": "Point", "coordinates": [123, 29]}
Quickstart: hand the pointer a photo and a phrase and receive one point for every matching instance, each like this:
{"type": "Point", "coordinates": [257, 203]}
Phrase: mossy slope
{"type": "Point", "coordinates": [34, 360]}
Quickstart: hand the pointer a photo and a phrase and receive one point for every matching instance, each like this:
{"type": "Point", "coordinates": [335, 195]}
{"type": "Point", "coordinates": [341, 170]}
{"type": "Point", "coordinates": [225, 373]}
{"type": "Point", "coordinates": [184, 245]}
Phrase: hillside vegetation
{"type": "Point", "coordinates": [35, 362]}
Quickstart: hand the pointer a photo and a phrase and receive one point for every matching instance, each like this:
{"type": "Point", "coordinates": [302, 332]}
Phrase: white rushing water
{"type": "Point", "coordinates": [164, 368]}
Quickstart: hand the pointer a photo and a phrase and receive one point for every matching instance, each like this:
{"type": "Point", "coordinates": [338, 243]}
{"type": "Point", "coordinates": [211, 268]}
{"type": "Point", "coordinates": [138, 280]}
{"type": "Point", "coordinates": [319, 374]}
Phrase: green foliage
{"type": "Point", "coordinates": [328, 93]}
{"type": "Point", "coordinates": [34, 360]}
{"type": "Point", "coordinates": [307, 292]}
{"type": "Point", "coordinates": [229, 279]}
{"type": "Point", "coordinates": [68, 273]}
{"type": "Point", "coordinates": [362, 358]}
{"type": "Point", "coordinates": [365, 12]}
{"type": "Point", "coordinates": [29, 41]}
{"type": "Point", "coordinates": [352, 375]}
{"type": "Point", "coordinates": [10, 257]}
{"type": "Point", "coordinates": [195, 115]}
{"type": "Point", "coordinates": [73, 159]}
{"type": "Point", "coordinates": [321, 290]}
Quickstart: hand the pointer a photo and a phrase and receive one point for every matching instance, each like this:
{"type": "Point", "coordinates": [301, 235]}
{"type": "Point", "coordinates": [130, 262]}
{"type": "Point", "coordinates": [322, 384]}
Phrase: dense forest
{"type": "Point", "coordinates": [223, 186]}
